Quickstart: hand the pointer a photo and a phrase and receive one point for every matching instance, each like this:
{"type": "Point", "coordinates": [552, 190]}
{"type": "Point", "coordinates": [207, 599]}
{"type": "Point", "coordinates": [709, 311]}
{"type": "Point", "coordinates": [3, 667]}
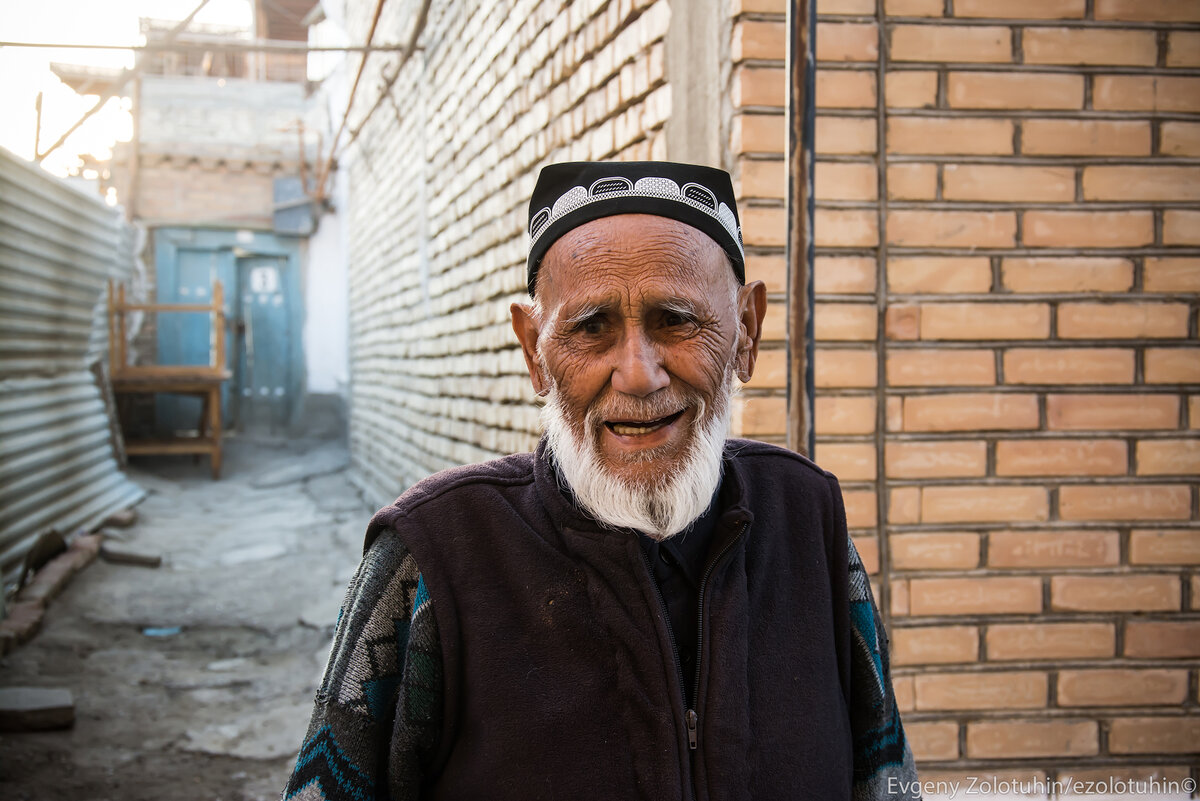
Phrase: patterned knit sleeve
{"type": "Point", "coordinates": [377, 716]}
{"type": "Point", "coordinates": [883, 762]}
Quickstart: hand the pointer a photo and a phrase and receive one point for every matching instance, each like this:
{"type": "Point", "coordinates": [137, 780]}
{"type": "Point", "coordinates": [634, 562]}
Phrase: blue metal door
{"type": "Point", "coordinates": [260, 275]}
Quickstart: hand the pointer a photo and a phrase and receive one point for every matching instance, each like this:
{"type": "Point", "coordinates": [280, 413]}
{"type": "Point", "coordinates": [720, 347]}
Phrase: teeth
{"type": "Point", "coordinates": [626, 429]}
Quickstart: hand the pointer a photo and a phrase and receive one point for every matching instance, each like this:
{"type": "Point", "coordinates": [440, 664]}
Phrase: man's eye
{"type": "Point", "coordinates": [592, 326]}
{"type": "Point", "coordinates": [676, 319]}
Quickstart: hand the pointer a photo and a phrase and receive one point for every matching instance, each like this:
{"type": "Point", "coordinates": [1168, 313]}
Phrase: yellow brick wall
{"type": "Point", "coordinates": [1007, 367]}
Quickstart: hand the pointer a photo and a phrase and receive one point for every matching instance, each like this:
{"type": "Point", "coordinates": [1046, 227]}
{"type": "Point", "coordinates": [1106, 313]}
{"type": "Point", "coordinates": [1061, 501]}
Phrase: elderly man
{"type": "Point", "coordinates": [642, 608]}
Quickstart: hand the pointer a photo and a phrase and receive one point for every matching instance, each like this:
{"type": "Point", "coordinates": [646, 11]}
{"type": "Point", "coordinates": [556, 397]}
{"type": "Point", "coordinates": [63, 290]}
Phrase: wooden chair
{"type": "Point", "coordinates": [199, 380]}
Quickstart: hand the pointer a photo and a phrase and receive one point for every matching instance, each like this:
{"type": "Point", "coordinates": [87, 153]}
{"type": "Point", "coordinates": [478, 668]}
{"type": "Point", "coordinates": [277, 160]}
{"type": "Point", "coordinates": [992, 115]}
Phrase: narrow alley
{"type": "Point", "coordinates": [194, 680]}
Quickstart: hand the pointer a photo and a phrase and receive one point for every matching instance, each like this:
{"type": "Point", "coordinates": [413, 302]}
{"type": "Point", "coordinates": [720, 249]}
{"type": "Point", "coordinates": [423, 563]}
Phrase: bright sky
{"type": "Point", "coordinates": [25, 71]}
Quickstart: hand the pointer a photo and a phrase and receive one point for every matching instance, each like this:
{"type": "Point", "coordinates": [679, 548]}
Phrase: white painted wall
{"type": "Point", "coordinates": [327, 318]}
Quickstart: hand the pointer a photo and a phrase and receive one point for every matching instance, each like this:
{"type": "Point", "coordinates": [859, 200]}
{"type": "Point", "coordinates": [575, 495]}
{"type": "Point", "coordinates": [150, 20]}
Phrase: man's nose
{"type": "Point", "coordinates": [639, 369]}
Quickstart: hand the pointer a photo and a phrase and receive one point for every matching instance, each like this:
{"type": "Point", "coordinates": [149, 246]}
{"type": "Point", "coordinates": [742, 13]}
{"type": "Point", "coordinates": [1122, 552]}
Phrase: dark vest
{"type": "Point", "coordinates": [560, 676]}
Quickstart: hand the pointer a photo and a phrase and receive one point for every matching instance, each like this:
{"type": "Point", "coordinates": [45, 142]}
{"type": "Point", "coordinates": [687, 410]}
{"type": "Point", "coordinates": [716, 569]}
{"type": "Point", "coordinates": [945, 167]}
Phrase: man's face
{"type": "Point", "coordinates": [640, 325]}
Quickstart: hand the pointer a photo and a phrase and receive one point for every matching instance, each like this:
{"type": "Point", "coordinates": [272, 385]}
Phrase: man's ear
{"type": "Point", "coordinates": [525, 326]}
{"type": "Point", "coordinates": [752, 307]}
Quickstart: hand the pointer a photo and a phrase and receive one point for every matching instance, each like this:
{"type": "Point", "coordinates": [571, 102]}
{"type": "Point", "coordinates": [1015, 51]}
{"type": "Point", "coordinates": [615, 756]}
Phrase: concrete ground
{"type": "Point", "coordinates": [254, 569]}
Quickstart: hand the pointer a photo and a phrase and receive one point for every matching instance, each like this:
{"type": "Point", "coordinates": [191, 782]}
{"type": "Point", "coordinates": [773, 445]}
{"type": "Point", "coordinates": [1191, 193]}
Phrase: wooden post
{"type": "Point", "coordinates": [122, 354]}
{"type": "Point", "coordinates": [218, 298]}
{"type": "Point", "coordinates": [112, 331]}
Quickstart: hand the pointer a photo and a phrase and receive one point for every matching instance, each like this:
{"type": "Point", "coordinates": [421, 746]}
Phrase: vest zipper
{"type": "Point", "coordinates": [693, 720]}
{"type": "Point", "coordinates": [662, 605]}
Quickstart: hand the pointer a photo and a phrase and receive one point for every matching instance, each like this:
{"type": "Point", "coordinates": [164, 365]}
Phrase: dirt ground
{"type": "Point", "coordinates": [254, 569]}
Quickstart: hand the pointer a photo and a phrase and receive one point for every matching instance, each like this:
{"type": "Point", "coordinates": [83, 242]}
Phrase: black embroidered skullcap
{"type": "Point", "coordinates": [571, 194]}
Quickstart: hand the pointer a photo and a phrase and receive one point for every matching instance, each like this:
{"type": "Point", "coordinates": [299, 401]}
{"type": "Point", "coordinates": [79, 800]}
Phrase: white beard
{"type": "Point", "coordinates": [662, 507]}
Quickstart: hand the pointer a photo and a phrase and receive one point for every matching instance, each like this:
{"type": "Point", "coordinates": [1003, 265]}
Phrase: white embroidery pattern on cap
{"type": "Point", "coordinates": [695, 195]}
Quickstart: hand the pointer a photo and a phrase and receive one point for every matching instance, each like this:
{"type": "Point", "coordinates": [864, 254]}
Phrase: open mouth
{"type": "Point", "coordinates": [628, 428]}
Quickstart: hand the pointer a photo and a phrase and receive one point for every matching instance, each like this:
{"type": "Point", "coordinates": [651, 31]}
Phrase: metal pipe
{"type": "Point", "coordinates": [801, 117]}
{"type": "Point", "coordinates": [219, 46]}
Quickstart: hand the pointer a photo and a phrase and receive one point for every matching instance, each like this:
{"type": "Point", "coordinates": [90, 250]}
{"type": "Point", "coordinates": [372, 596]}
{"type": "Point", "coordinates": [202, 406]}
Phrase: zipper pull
{"type": "Point", "coordinates": [689, 717]}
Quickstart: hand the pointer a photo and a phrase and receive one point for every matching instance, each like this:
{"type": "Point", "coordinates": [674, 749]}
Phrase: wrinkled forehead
{"type": "Point", "coordinates": [635, 256]}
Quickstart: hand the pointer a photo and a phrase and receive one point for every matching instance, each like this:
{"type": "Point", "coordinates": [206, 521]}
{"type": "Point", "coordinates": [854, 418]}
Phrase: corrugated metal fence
{"type": "Point", "coordinates": [58, 248]}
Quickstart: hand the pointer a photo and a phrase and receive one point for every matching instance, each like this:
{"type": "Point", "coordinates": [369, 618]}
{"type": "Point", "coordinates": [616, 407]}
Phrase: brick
{"type": "Point", "coordinates": [1159, 546]}
{"type": "Point", "coordinates": [1089, 46]}
{"type": "Point", "coordinates": [983, 504]}
{"type": "Point", "coordinates": [1145, 93]}
{"type": "Point", "coordinates": [834, 181]}
{"type": "Point", "coordinates": [1061, 457]}
{"type": "Point", "coordinates": [868, 551]}
{"type": "Point", "coordinates": [1085, 137]}
{"type": "Point", "coordinates": [754, 39]}
{"type": "Point", "coordinates": [847, 41]}
{"type": "Point", "coordinates": [934, 645]}
{"type": "Point", "coordinates": [934, 551]}
{"type": "Point", "coordinates": [933, 741]}
{"type": "Point", "coordinates": [775, 323]}
{"type": "Point", "coordinates": [1194, 412]}
{"type": "Point", "coordinates": [1128, 183]}
{"type": "Point", "coordinates": [1127, 502]}
{"type": "Point", "coordinates": [1121, 687]}
{"type": "Point", "coordinates": [910, 89]}
{"type": "Point", "coordinates": [1123, 320]}
{"type": "Point", "coordinates": [1161, 639]}
{"type": "Point", "coordinates": [849, 7]}
{"type": "Point", "coordinates": [761, 416]}
{"type": "Point", "coordinates": [845, 228]}
{"type": "Point", "coordinates": [902, 689]}
{"type": "Point", "coordinates": [758, 133]}
{"type": "Point", "coordinates": [848, 136]}
{"type": "Point", "coordinates": [1088, 229]}
{"type": "Point", "coordinates": [1181, 227]}
{"type": "Point", "coordinates": [1020, 9]}
{"type": "Point", "coordinates": [849, 461]}
{"type": "Point", "coordinates": [762, 179]}
{"type": "Point", "coordinates": [898, 603]}
{"type": "Point", "coordinates": [861, 508]}
{"type": "Point", "coordinates": [843, 274]}
{"type": "Point", "coordinates": [770, 371]}
{"type": "Point", "coordinates": [939, 459]}
{"type": "Point", "coordinates": [845, 322]}
{"type": "Point", "coordinates": [1170, 274]}
{"type": "Point", "coordinates": [1045, 641]}
{"type": "Point", "coordinates": [939, 274]}
{"type": "Point", "coordinates": [978, 595]}
{"type": "Point", "coordinates": [1179, 138]}
{"type": "Point", "coordinates": [844, 368]}
{"type": "Point", "coordinates": [771, 6]}
{"type": "Point", "coordinates": [764, 225]}
{"type": "Point", "coordinates": [759, 86]}
{"type": "Point", "coordinates": [845, 89]}
{"type": "Point", "coordinates": [950, 43]}
{"type": "Point", "coordinates": [982, 229]}
{"type": "Point", "coordinates": [1183, 49]}
{"type": "Point", "coordinates": [902, 321]}
{"type": "Point", "coordinates": [1026, 739]}
{"type": "Point", "coordinates": [1060, 548]}
{"type": "Point", "coordinates": [904, 505]}
{"type": "Point", "coordinates": [912, 181]}
{"type": "Point", "coordinates": [1172, 366]}
{"type": "Point", "coordinates": [1111, 412]}
{"type": "Point", "coordinates": [1163, 735]}
{"type": "Point", "coordinates": [1143, 774]}
{"type": "Point", "coordinates": [985, 321]}
{"type": "Point", "coordinates": [1023, 90]}
{"type": "Point", "coordinates": [1148, 10]}
{"type": "Point", "coordinates": [989, 182]}
{"type": "Point", "coordinates": [929, 367]}
{"type": "Point", "coordinates": [1068, 366]}
{"type": "Point", "coordinates": [1118, 593]}
{"type": "Point", "coordinates": [1070, 274]}
{"type": "Point", "coordinates": [913, 8]}
{"type": "Point", "coordinates": [50, 579]}
{"type": "Point", "coordinates": [1164, 457]}
{"type": "Point", "coordinates": [770, 269]}
{"type": "Point", "coordinates": [971, 412]}
{"type": "Point", "coordinates": [26, 709]}
{"type": "Point", "coordinates": [1025, 689]}
{"type": "Point", "coordinates": [948, 135]}
{"type": "Point", "coordinates": [841, 415]}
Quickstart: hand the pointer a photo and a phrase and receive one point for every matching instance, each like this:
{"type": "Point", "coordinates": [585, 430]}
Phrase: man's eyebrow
{"type": "Point", "coordinates": [681, 306]}
{"type": "Point", "coordinates": [583, 313]}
